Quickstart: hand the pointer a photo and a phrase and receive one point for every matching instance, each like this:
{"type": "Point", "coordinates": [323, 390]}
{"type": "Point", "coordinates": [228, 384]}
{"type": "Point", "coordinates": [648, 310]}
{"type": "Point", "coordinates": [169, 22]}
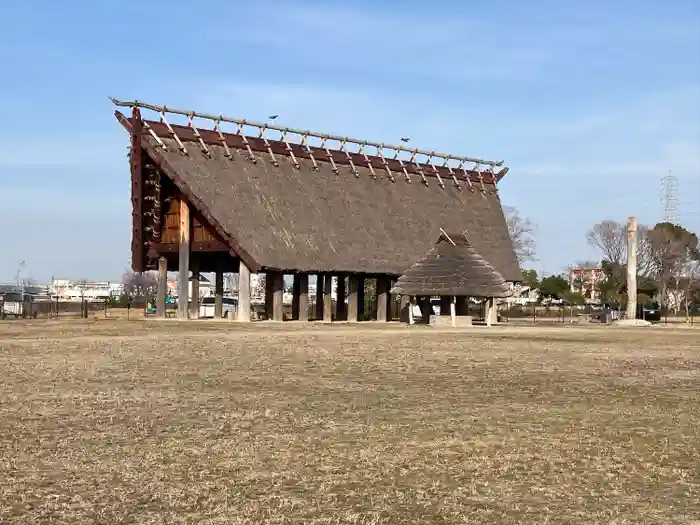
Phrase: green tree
{"type": "Point", "coordinates": [574, 298]}
{"type": "Point", "coordinates": [553, 287]}
{"type": "Point", "coordinates": [673, 248]}
{"type": "Point", "coordinates": [530, 278]}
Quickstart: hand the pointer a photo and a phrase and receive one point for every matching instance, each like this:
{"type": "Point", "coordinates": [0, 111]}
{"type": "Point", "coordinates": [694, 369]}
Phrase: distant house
{"type": "Point", "coordinates": [587, 282]}
{"type": "Point", "coordinates": [522, 295]}
{"type": "Point", "coordinates": [77, 290]}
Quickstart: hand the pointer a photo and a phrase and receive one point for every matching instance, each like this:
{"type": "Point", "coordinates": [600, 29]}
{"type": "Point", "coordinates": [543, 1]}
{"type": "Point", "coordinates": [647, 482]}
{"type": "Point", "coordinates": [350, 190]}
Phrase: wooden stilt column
{"type": "Point", "coordinates": [491, 312]}
{"type": "Point", "coordinates": [162, 292]}
{"type": "Point", "coordinates": [383, 287]}
{"type": "Point", "coordinates": [295, 298]}
{"type": "Point", "coordinates": [243, 293]}
{"type": "Point", "coordinates": [426, 309]}
{"type": "Point", "coordinates": [341, 313]}
{"type": "Point", "coordinates": [319, 296]}
{"type": "Point", "coordinates": [219, 294]}
{"type": "Point", "coordinates": [327, 298]}
{"type": "Point", "coordinates": [276, 280]}
{"type": "Point", "coordinates": [360, 297]}
{"type": "Point", "coordinates": [404, 308]}
{"type": "Point", "coordinates": [269, 292]}
{"type": "Point", "coordinates": [194, 300]}
{"type": "Point", "coordinates": [462, 305]}
{"type": "Point", "coordinates": [184, 261]}
{"type": "Point", "coordinates": [445, 302]}
{"type": "Point", "coordinates": [353, 297]}
{"type": "Point", "coordinates": [300, 298]}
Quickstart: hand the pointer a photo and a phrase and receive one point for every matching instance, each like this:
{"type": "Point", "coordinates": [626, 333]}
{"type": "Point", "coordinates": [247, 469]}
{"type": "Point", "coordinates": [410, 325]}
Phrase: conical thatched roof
{"type": "Point", "coordinates": [452, 267]}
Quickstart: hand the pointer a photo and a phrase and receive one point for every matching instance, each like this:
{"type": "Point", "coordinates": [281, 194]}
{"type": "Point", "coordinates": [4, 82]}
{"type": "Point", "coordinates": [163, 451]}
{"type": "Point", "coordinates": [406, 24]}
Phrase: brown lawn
{"type": "Point", "coordinates": [137, 422]}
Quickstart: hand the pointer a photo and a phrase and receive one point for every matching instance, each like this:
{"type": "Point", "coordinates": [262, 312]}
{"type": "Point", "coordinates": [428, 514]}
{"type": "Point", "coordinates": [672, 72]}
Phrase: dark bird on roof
{"type": "Point", "coordinates": [405, 139]}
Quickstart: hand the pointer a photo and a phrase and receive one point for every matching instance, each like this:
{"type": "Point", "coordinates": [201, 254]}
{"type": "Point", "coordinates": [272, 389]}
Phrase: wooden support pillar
{"type": "Point", "coordinates": [269, 292]}
{"type": "Point", "coordinates": [341, 313]}
{"type": "Point", "coordinates": [300, 297]}
{"type": "Point", "coordinates": [353, 298]}
{"type": "Point", "coordinates": [276, 280]}
{"type": "Point", "coordinates": [295, 298]}
{"type": "Point", "coordinates": [219, 294]}
{"type": "Point", "coordinates": [184, 260]}
{"type": "Point", "coordinates": [162, 291]}
{"type": "Point", "coordinates": [405, 308]}
{"type": "Point", "coordinates": [462, 305]}
{"type": "Point", "coordinates": [445, 302]}
{"type": "Point", "coordinates": [426, 309]}
{"type": "Point", "coordinates": [243, 293]}
{"type": "Point", "coordinates": [491, 312]}
{"type": "Point", "coordinates": [319, 296]}
{"type": "Point", "coordinates": [327, 298]}
{"type": "Point", "coordinates": [194, 300]}
{"type": "Point", "coordinates": [360, 297]}
{"type": "Point", "coordinates": [383, 287]}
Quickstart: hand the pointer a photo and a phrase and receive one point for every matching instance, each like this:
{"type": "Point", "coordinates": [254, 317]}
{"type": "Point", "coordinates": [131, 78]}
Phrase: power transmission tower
{"type": "Point", "coordinates": [669, 197]}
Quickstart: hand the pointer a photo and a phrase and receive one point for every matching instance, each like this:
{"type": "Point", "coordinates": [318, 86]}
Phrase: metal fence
{"type": "Point", "coordinates": [51, 309]}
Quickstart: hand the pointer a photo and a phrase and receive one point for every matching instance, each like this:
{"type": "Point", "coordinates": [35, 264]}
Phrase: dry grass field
{"type": "Point", "coordinates": [108, 421]}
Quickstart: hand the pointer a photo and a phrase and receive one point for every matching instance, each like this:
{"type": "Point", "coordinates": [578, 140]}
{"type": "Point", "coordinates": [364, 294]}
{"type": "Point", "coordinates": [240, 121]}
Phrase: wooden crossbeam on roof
{"type": "Point", "coordinates": [451, 164]}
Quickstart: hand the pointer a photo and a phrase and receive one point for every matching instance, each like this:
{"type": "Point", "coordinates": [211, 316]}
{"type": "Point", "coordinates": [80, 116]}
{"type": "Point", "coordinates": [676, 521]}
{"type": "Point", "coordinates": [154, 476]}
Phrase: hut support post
{"type": "Point", "coordinates": [632, 268]}
{"type": "Point", "coordinates": [194, 300]}
{"type": "Point", "coordinates": [319, 297]}
{"type": "Point", "coordinates": [353, 297]}
{"type": "Point", "coordinates": [162, 287]}
{"type": "Point", "coordinates": [491, 312]}
{"type": "Point", "coordinates": [360, 297]}
{"type": "Point", "coordinates": [410, 311]}
{"type": "Point", "coordinates": [446, 304]}
{"type": "Point", "coordinates": [276, 280]}
{"type": "Point", "coordinates": [383, 287]}
{"type": "Point", "coordinates": [219, 294]}
{"type": "Point", "coordinates": [184, 261]}
{"type": "Point", "coordinates": [405, 308]}
{"type": "Point", "coordinates": [268, 295]}
{"type": "Point", "coordinates": [300, 297]}
{"type": "Point", "coordinates": [426, 309]}
{"type": "Point", "coordinates": [295, 298]}
{"type": "Point", "coordinates": [340, 309]}
{"type": "Point", "coordinates": [453, 311]}
{"type": "Point", "coordinates": [243, 293]}
{"type": "Point", "coordinates": [462, 305]}
{"type": "Point", "coordinates": [327, 298]}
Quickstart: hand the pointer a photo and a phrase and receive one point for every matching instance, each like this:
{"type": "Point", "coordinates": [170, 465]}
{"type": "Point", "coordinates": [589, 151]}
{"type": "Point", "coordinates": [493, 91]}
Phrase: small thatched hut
{"type": "Point", "coordinates": [454, 270]}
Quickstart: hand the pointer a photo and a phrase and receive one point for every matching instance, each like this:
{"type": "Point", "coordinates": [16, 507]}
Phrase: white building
{"type": "Point", "coordinates": [70, 290]}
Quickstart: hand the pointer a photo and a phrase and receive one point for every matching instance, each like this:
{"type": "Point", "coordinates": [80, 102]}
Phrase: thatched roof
{"type": "Point", "coordinates": [302, 212]}
{"type": "Point", "coordinates": [452, 267]}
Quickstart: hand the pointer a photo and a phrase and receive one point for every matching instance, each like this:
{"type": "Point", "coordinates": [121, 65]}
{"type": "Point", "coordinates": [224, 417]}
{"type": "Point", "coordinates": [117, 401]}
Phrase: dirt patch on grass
{"type": "Point", "coordinates": [139, 422]}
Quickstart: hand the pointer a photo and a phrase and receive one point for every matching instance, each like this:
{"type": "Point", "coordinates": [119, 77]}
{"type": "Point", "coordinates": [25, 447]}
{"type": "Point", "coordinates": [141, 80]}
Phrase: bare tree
{"type": "Point", "coordinates": [646, 261]}
{"type": "Point", "coordinates": [692, 272]}
{"type": "Point", "coordinates": [231, 279]}
{"type": "Point", "coordinates": [82, 286]}
{"type": "Point", "coordinates": [522, 234]}
{"type": "Point", "coordinates": [140, 284]}
{"type": "Point", "coordinates": [610, 237]}
{"type": "Point", "coordinates": [587, 264]}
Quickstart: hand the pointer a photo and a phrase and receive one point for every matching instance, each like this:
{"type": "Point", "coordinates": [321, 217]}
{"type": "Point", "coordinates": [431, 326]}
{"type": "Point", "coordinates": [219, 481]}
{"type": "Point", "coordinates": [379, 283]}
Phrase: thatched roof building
{"type": "Point", "coordinates": [452, 268]}
{"type": "Point", "coordinates": [307, 207]}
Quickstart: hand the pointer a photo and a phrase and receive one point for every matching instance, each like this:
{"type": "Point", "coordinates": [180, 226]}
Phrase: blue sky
{"type": "Point", "coordinates": [580, 98]}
